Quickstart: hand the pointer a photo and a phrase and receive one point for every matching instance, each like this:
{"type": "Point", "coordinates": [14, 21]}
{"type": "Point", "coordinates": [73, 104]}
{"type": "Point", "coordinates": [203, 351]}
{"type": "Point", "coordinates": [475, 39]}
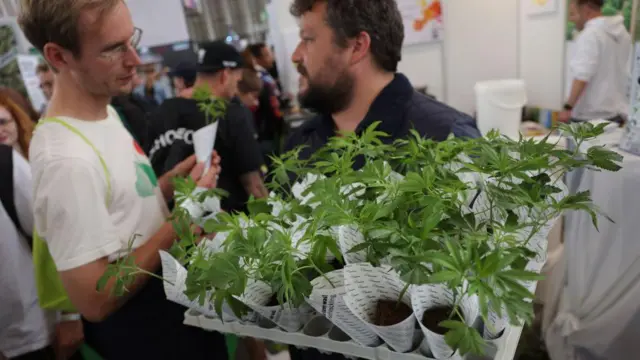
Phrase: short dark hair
{"type": "Point", "coordinates": [381, 19]}
{"type": "Point", "coordinates": [250, 82]}
{"type": "Point", "coordinates": [256, 49]}
{"type": "Point", "coordinates": [42, 68]}
{"type": "Point", "coordinates": [598, 4]}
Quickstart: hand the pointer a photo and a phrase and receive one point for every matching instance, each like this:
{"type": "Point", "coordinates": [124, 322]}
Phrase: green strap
{"type": "Point", "coordinates": [81, 135]}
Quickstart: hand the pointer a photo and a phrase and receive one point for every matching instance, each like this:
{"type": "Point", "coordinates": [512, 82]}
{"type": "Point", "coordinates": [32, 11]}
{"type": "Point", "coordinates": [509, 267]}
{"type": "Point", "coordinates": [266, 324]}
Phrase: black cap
{"type": "Point", "coordinates": [185, 70]}
{"type": "Point", "coordinates": [218, 55]}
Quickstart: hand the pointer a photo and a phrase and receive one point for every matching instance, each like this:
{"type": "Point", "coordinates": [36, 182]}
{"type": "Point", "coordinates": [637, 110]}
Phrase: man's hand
{"type": "Point", "coordinates": [69, 335]}
{"type": "Point", "coordinates": [564, 116]}
{"type": "Point", "coordinates": [188, 167]}
{"type": "Point", "coordinates": [210, 179]}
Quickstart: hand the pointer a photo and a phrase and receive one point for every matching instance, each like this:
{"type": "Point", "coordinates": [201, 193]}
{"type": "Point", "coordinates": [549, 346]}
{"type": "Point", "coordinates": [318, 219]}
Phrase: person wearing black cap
{"type": "Point", "coordinates": [183, 77]}
{"type": "Point", "coordinates": [219, 69]}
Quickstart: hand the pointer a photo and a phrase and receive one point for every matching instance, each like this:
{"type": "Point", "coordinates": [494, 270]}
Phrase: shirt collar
{"type": "Point", "coordinates": [385, 109]}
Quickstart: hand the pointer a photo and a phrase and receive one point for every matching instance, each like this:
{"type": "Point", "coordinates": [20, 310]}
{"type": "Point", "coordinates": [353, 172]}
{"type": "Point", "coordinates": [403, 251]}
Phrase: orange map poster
{"type": "Point", "coordinates": [423, 21]}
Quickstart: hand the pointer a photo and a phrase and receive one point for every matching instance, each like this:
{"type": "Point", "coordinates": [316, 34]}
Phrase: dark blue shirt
{"type": "Point", "coordinates": [399, 108]}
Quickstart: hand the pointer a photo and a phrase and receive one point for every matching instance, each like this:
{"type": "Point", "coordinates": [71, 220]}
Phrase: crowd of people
{"type": "Point", "coordinates": [93, 169]}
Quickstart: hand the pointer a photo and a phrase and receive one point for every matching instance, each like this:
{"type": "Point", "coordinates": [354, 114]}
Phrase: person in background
{"type": "Point", "coordinates": [600, 66]}
{"type": "Point", "coordinates": [183, 78]}
{"type": "Point", "coordinates": [95, 196]}
{"type": "Point", "coordinates": [25, 331]}
{"type": "Point", "coordinates": [133, 112]}
{"type": "Point", "coordinates": [21, 101]}
{"type": "Point", "coordinates": [269, 119]}
{"type": "Point", "coordinates": [47, 78]}
{"type": "Point", "coordinates": [349, 53]}
{"type": "Point", "coordinates": [171, 134]}
{"type": "Point", "coordinates": [16, 128]}
{"type": "Point", "coordinates": [151, 90]}
{"type": "Point", "coordinates": [249, 89]}
{"type": "Point", "coordinates": [25, 336]}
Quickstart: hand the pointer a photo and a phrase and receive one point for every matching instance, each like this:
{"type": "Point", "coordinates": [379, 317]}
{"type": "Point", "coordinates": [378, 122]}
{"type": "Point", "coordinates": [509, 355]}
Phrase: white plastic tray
{"type": "Point", "coordinates": [503, 348]}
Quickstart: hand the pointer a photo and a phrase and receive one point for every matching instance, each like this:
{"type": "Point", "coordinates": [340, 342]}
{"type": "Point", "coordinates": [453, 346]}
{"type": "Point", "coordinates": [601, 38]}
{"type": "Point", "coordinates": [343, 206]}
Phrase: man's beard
{"type": "Point", "coordinates": [328, 99]}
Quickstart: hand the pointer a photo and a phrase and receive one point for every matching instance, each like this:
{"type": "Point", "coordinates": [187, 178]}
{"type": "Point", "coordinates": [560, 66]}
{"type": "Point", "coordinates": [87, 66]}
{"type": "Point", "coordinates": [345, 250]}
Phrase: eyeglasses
{"type": "Point", "coordinates": [118, 52]}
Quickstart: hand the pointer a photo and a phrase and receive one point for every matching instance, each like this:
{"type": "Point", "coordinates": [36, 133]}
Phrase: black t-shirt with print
{"type": "Point", "coordinates": [171, 141]}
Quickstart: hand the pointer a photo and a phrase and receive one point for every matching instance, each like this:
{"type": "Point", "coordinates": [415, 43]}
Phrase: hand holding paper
{"type": "Point", "coordinates": [203, 143]}
{"type": "Point", "coordinates": [207, 177]}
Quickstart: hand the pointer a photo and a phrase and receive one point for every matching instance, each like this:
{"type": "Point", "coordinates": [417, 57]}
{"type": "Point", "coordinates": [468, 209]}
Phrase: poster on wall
{"type": "Point", "coordinates": [423, 22]}
{"type": "Point", "coordinates": [9, 71]}
{"type": "Point", "coordinates": [540, 7]}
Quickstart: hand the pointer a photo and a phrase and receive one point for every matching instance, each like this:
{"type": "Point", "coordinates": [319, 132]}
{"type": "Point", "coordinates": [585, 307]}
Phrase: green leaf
{"type": "Point", "coordinates": [443, 276]}
{"type": "Point", "coordinates": [359, 247]}
{"type": "Point", "coordinates": [604, 159]}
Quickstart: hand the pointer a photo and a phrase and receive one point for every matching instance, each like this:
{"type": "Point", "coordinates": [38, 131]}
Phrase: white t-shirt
{"type": "Point", "coordinates": [24, 327]}
{"type": "Point", "coordinates": [70, 190]}
{"type": "Point", "coordinates": [602, 59]}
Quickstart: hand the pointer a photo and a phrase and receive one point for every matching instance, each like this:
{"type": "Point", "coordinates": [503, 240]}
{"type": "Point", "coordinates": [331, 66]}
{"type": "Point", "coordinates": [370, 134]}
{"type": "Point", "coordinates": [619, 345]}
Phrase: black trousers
{"type": "Point", "coordinates": [44, 354]}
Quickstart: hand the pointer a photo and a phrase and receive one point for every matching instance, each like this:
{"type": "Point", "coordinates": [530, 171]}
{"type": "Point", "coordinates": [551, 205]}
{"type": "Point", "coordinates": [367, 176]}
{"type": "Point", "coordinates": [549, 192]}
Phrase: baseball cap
{"type": "Point", "coordinates": [218, 55]}
{"type": "Point", "coordinates": [185, 70]}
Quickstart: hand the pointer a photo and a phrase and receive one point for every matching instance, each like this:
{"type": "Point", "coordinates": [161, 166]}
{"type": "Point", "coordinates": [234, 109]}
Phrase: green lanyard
{"type": "Point", "coordinates": [81, 135]}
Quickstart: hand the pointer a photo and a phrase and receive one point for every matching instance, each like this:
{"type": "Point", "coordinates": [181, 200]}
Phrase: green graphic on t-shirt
{"type": "Point", "coordinates": [146, 180]}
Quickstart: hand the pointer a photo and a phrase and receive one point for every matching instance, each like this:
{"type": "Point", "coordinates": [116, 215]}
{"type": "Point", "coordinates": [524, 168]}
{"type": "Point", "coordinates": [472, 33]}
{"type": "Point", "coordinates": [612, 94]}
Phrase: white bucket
{"type": "Point", "coordinates": [499, 106]}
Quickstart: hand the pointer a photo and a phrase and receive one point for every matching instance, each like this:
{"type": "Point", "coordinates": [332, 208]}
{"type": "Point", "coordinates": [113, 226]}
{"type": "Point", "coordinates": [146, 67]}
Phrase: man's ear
{"type": "Point", "coordinates": [56, 56]}
{"type": "Point", "coordinates": [361, 46]}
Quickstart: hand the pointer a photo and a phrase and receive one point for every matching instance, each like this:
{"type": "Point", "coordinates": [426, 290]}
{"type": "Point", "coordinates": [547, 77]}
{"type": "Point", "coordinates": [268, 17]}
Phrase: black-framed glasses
{"type": "Point", "coordinates": [119, 51]}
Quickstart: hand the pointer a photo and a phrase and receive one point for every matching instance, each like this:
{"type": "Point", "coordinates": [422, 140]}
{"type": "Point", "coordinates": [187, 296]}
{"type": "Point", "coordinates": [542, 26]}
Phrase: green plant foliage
{"type": "Point", "coordinates": [458, 212]}
{"type": "Point", "coordinates": [213, 107]}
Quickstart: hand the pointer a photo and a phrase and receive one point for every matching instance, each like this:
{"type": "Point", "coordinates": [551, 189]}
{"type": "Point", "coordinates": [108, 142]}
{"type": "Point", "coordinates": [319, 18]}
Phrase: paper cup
{"type": "Point", "coordinates": [327, 298]}
{"type": "Point", "coordinates": [299, 188]}
{"type": "Point", "coordinates": [348, 237]}
{"type": "Point", "coordinates": [258, 294]}
{"type": "Point", "coordinates": [427, 297]}
{"type": "Point", "coordinates": [203, 143]}
{"type": "Point", "coordinates": [175, 276]}
{"type": "Point", "coordinates": [495, 324]}
{"type": "Point", "coordinates": [201, 212]}
{"type": "Point", "coordinates": [365, 286]}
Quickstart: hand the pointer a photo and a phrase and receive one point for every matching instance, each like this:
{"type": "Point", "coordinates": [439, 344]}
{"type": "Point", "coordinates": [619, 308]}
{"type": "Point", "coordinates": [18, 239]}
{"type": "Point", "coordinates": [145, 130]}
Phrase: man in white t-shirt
{"type": "Point", "coordinates": [24, 326]}
{"type": "Point", "coordinates": [600, 66]}
{"type": "Point", "coordinates": [94, 188]}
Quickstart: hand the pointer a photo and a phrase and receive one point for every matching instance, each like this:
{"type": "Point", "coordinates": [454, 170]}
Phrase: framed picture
{"type": "Point", "coordinates": [539, 7]}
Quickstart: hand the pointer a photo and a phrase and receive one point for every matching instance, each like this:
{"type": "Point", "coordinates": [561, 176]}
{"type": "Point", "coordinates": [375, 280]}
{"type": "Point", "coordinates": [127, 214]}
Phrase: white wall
{"type": "Point", "coordinates": [542, 57]}
{"type": "Point", "coordinates": [423, 65]}
{"type": "Point", "coordinates": [162, 21]}
{"type": "Point", "coordinates": [481, 40]}
{"type": "Point", "coordinates": [484, 40]}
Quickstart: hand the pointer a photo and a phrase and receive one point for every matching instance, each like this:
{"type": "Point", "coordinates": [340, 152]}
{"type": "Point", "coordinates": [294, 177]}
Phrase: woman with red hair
{"type": "Point", "coordinates": [16, 127]}
{"type": "Point", "coordinates": [21, 101]}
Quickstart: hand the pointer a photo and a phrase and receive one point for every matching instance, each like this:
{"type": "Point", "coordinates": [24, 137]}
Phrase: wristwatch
{"type": "Point", "coordinates": [568, 107]}
{"type": "Point", "coordinates": [69, 317]}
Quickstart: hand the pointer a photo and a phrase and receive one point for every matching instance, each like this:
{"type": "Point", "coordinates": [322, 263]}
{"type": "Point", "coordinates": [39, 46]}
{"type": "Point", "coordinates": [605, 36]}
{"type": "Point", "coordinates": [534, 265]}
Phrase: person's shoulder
{"type": "Point", "coordinates": [177, 104]}
{"type": "Point", "coordinates": [431, 117]}
{"type": "Point", "coordinates": [301, 134]}
{"type": "Point", "coordinates": [52, 143]}
{"type": "Point", "coordinates": [425, 108]}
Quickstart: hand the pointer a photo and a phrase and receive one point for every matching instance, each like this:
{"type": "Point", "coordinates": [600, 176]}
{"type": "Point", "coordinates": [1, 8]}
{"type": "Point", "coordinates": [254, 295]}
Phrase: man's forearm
{"type": "Point", "coordinates": [81, 282]}
{"type": "Point", "coordinates": [577, 89]}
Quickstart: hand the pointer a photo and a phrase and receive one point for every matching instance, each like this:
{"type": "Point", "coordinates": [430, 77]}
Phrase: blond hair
{"type": "Point", "coordinates": [57, 21]}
